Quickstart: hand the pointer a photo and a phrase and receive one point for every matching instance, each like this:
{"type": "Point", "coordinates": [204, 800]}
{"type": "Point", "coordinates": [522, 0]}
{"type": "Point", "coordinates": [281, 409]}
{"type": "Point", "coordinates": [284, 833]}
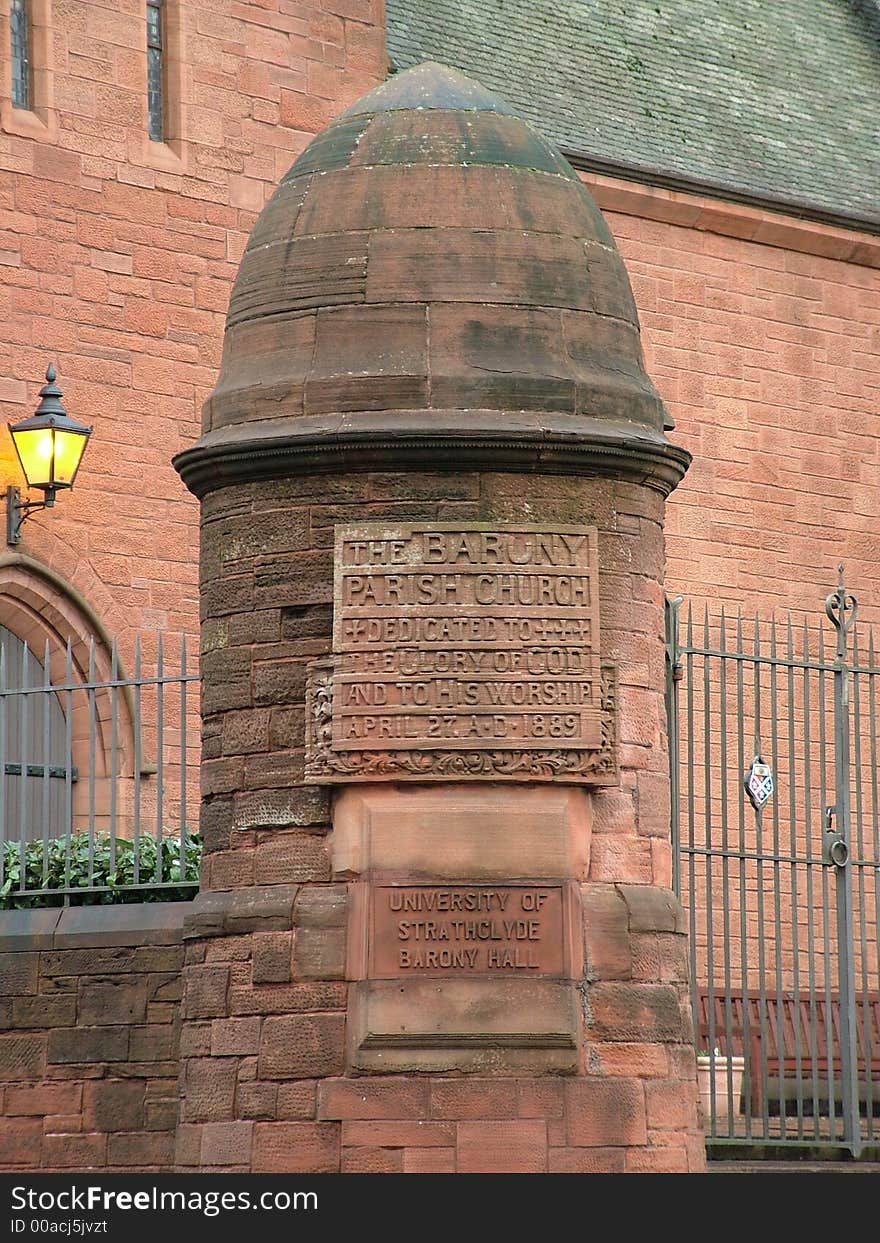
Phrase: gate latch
{"type": "Point", "coordinates": [835, 851]}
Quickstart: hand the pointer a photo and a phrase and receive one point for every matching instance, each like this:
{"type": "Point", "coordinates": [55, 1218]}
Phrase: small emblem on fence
{"type": "Point", "coordinates": [759, 783]}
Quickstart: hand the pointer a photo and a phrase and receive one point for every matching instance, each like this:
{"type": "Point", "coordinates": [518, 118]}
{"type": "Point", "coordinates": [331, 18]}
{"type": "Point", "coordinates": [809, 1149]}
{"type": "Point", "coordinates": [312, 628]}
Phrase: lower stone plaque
{"type": "Point", "coordinates": [466, 930]}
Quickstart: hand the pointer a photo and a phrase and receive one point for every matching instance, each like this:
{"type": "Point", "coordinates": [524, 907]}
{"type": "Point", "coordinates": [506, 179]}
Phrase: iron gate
{"type": "Point", "coordinates": [782, 894]}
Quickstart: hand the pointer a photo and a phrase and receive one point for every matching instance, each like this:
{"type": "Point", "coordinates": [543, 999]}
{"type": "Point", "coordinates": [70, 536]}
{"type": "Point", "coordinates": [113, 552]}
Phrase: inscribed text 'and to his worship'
{"type": "Point", "coordinates": [465, 638]}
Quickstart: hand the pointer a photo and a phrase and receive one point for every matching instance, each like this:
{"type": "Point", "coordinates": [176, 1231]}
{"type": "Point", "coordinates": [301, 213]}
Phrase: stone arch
{"type": "Point", "coordinates": [41, 608]}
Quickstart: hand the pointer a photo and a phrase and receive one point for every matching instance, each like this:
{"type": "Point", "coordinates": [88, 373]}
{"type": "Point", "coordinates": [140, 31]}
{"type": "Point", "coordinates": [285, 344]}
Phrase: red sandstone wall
{"type": "Point", "coordinates": [117, 257]}
{"type": "Point", "coordinates": [768, 358]}
{"type": "Point", "coordinates": [89, 1034]}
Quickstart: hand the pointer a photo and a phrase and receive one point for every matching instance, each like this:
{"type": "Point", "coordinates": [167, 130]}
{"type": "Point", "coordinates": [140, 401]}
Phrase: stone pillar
{"type": "Point", "coordinates": [436, 929]}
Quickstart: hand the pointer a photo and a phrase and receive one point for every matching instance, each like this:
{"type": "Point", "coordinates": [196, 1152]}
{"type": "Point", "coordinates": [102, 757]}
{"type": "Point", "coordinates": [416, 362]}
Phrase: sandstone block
{"type": "Point", "coordinates": [603, 1113]}
{"type": "Point", "coordinates": [373, 1097]}
{"type": "Point", "coordinates": [302, 1046]}
{"type": "Point", "coordinates": [502, 1147]}
{"type": "Point", "coordinates": [296, 1147]}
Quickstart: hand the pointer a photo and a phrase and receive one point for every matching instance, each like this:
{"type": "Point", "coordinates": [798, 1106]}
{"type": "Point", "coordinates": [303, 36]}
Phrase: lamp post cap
{"type": "Point", "coordinates": [50, 396]}
{"type": "Point", "coordinates": [50, 389]}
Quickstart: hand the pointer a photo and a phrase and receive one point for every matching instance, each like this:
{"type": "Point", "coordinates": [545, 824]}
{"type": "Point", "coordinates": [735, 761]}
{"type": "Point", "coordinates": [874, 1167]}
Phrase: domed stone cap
{"type": "Point", "coordinates": [431, 287]}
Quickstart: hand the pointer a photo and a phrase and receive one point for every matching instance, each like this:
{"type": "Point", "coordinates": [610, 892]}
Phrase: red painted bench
{"type": "Point", "coordinates": [791, 1034]}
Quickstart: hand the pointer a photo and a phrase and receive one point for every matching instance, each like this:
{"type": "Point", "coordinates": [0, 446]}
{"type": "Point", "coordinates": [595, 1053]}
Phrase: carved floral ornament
{"type": "Point", "coordinates": [325, 766]}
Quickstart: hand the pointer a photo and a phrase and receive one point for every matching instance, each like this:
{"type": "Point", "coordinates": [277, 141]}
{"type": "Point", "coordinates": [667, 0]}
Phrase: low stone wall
{"type": "Point", "coordinates": [89, 1037]}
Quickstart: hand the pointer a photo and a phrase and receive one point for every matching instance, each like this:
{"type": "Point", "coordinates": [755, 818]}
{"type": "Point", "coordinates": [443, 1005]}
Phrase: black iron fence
{"type": "Point", "coordinates": [776, 834]}
{"type": "Point", "coordinates": [98, 773]}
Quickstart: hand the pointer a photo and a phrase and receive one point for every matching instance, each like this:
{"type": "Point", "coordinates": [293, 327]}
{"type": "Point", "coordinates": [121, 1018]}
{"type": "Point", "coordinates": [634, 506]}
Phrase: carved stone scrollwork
{"type": "Point", "coordinates": [325, 766]}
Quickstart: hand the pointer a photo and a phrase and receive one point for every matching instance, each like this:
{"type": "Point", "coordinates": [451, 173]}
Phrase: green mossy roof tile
{"type": "Point", "coordinates": [767, 99]}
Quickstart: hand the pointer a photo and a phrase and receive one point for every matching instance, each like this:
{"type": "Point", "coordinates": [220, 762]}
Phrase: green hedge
{"type": "Point", "coordinates": [115, 877]}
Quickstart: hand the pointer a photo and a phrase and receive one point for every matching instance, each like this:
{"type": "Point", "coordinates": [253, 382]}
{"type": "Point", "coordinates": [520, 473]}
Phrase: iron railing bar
{"type": "Point", "coordinates": [45, 775]}
{"type": "Point", "coordinates": [826, 905]}
{"type": "Point", "coordinates": [692, 917]}
{"type": "Point", "coordinates": [22, 785]}
{"type": "Point", "coordinates": [68, 757]}
{"type": "Point", "coordinates": [81, 890]}
{"type": "Point", "coordinates": [725, 880]}
{"type": "Point", "coordinates": [811, 933]}
{"type": "Point", "coordinates": [709, 904]}
{"type": "Point", "coordinates": [98, 685]}
{"type": "Point", "coordinates": [748, 1069]}
{"type": "Point", "coordinates": [56, 772]}
{"type": "Point", "coordinates": [793, 885]}
{"type": "Point", "coordinates": [777, 869]}
{"type": "Point", "coordinates": [795, 1145]}
{"type": "Point", "coordinates": [138, 764]}
{"type": "Point", "coordinates": [92, 730]}
{"type": "Point", "coordinates": [845, 917]}
{"type": "Point", "coordinates": [160, 754]}
{"type": "Point", "coordinates": [747, 658]}
{"type": "Point", "coordinates": [762, 961]}
{"type": "Point", "coordinates": [768, 857]}
{"type": "Point", "coordinates": [860, 886]}
{"type": "Point", "coordinates": [875, 837]}
{"type": "Point", "coordinates": [673, 680]}
{"type": "Point", "coordinates": [183, 829]}
{"type": "Point", "coordinates": [114, 755]}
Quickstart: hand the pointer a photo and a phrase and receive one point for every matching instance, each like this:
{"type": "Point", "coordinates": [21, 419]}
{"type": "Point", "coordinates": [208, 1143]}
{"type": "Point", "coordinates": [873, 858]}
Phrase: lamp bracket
{"type": "Point", "coordinates": [17, 510]}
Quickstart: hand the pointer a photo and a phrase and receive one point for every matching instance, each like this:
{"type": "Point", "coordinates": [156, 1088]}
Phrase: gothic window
{"type": "Point", "coordinates": [155, 70]}
{"type": "Point", "coordinates": [19, 28]}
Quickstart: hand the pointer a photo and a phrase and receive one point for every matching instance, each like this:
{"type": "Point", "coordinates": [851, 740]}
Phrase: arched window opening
{"type": "Point", "coordinates": [98, 762]}
{"type": "Point", "coordinates": [36, 792]}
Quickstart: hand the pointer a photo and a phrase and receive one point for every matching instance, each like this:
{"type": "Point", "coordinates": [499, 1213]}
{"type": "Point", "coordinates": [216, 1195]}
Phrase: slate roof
{"type": "Point", "coordinates": [766, 100]}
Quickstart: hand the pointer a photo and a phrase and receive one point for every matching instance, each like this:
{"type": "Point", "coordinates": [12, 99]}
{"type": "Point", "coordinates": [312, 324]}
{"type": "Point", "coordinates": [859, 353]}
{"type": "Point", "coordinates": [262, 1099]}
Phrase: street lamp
{"type": "Point", "coordinates": [50, 445]}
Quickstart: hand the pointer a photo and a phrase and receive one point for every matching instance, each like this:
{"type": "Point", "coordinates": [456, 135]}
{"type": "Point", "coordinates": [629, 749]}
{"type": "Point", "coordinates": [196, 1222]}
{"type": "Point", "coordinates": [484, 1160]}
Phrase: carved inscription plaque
{"type": "Point", "coordinates": [467, 930]}
{"type": "Point", "coordinates": [463, 651]}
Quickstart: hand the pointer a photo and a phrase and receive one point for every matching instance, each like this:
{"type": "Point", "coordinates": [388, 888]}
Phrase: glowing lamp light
{"type": "Point", "coordinates": [50, 446]}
